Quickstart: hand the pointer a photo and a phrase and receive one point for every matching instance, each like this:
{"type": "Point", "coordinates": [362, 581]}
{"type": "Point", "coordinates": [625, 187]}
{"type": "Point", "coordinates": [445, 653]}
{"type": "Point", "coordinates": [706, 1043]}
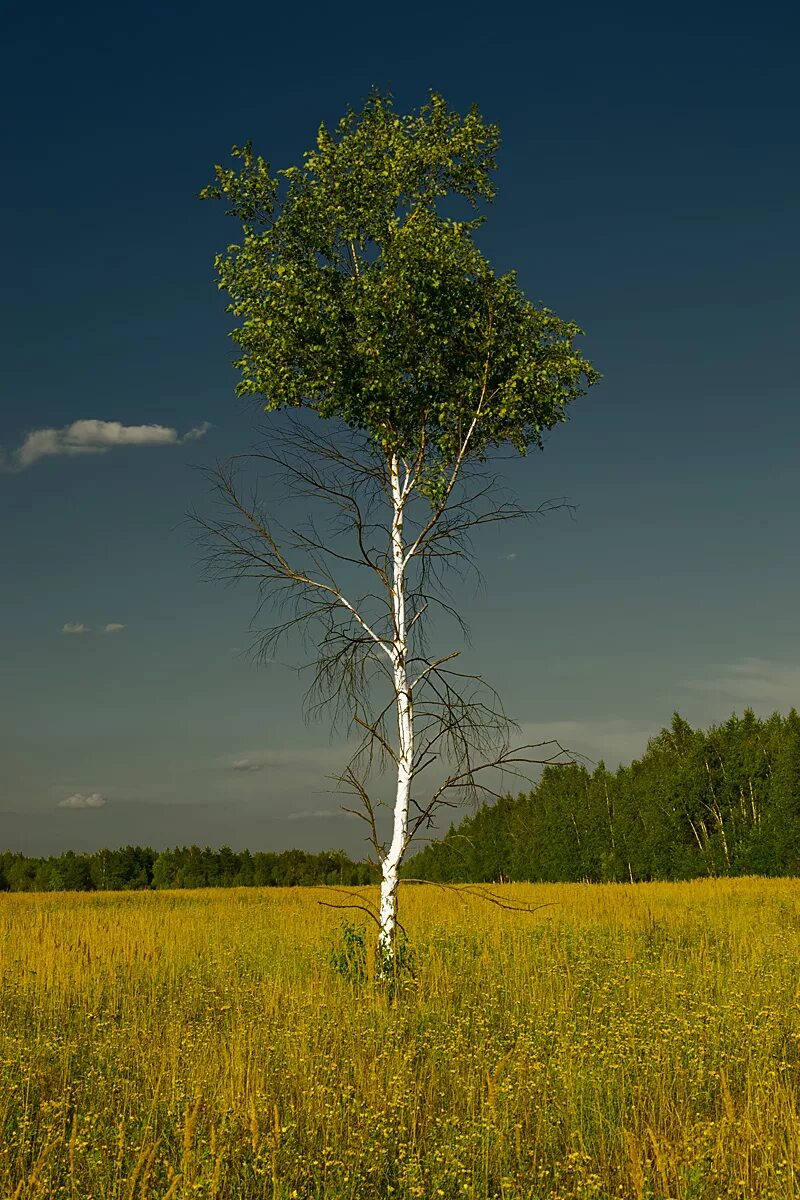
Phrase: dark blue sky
{"type": "Point", "coordinates": [647, 188]}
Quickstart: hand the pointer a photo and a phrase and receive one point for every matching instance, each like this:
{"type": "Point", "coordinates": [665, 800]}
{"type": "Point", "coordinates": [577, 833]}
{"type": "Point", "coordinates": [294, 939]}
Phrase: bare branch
{"type": "Point", "coordinates": [479, 892]}
{"type": "Point", "coordinates": [252, 547]}
{"type": "Point", "coordinates": [371, 659]}
{"type": "Point", "coordinates": [360, 907]}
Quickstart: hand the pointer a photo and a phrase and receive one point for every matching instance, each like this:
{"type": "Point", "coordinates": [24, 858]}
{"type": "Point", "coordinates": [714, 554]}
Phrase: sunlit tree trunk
{"type": "Point", "coordinates": [390, 863]}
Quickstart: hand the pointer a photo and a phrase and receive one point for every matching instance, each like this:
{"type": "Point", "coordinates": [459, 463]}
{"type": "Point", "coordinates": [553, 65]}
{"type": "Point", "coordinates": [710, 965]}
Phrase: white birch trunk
{"type": "Point", "coordinates": [390, 863]}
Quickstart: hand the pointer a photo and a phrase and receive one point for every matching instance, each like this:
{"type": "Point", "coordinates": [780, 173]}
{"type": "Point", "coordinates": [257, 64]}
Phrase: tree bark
{"type": "Point", "coordinates": [390, 863]}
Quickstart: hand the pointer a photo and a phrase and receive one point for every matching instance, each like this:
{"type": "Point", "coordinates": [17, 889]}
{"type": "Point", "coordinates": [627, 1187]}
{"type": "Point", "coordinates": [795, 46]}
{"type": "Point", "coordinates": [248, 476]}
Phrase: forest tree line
{"type": "Point", "coordinates": [135, 867]}
{"type": "Point", "coordinates": [721, 802]}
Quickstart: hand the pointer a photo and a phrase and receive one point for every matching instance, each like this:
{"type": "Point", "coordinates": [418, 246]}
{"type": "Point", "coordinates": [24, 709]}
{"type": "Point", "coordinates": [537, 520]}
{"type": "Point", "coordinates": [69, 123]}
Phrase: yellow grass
{"type": "Point", "coordinates": [626, 1041]}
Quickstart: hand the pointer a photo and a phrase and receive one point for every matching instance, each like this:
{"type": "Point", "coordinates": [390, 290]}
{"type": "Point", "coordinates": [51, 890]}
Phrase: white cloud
{"type": "Point", "coordinates": [246, 764]}
{"type": "Point", "coordinates": [114, 627]}
{"type": "Point", "coordinates": [310, 815]}
{"type": "Point", "coordinates": [313, 758]}
{"type": "Point", "coordinates": [79, 800]}
{"type": "Point", "coordinates": [199, 431]}
{"type": "Point", "coordinates": [70, 627]}
{"type": "Point", "coordinates": [95, 437]}
{"type": "Point", "coordinates": [614, 740]}
{"type": "Point", "coordinates": [754, 682]}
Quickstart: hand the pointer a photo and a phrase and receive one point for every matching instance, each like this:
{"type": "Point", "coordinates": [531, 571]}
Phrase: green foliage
{"type": "Point", "coordinates": [721, 802]}
{"type": "Point", "coordinates": [359, 295]}
{"type": "Point", "coordinates": [348, 955]}
{"type": "Point", "coordinates": [134, 868]}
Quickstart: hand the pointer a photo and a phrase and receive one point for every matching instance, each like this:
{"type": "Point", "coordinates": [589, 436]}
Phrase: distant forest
{"type": "Point", "coordinates": [134, 867]}
{"type": "Point", "coordinates": [721, 802]}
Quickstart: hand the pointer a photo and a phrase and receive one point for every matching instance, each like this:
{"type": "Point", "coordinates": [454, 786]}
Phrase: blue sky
{"type": "Point", "coordinates": [647, 188]}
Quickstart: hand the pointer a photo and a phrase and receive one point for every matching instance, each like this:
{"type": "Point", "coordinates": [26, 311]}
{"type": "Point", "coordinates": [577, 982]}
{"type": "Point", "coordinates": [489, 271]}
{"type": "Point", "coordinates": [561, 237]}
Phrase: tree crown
{"type": "Point", "coordinates": [357, 298]}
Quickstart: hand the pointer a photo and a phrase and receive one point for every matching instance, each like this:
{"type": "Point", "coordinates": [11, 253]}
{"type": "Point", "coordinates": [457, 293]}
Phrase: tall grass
{"type": "Point", "coordinates": [624, 1041]}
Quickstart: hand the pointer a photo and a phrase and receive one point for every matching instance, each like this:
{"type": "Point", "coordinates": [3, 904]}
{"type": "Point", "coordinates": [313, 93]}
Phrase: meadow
{"type": "Point", "coordinates": [622, 1041]}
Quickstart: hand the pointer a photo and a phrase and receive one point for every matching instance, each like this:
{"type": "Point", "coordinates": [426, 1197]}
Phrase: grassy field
{"type": "Point", "coordinates": [624, 1041]}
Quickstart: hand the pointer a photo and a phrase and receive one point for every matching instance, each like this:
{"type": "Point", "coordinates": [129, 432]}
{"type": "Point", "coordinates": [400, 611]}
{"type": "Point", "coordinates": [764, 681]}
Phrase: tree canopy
{"type": "Point", "coordinates": [724, 801]}
{"type": "Point", "coordinates": [360, 296]}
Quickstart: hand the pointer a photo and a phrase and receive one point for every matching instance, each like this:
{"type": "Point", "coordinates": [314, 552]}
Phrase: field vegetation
{"type": "Point", "coordinates": [622, 1041]}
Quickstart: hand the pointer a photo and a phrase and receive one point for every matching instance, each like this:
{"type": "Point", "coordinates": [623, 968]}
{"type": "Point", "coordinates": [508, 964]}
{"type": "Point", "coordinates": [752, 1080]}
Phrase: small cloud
{"type": "Point", "coordinates": [309, 758]}
{"type": "Point", "coordinates": [247, 764]}
{"type": "Point", "coordinates": [613, 739]}
{"type": "Point", "coordinates": [113, 628]}
{"type": "Point", "coordinates": [70, 627]}
{"type": "Point", "coordinates": [199, 431]}
{"type": "Point", "coordinates": [759, 683]}
{"type": "Point", "coordinates": [510, 557]}
{"type": "Point", "coordinates": [311, 814]}
{"type": "Point", "coordinates": [94, 437]}
{"type": "Point", "coordinates": [79, 800]}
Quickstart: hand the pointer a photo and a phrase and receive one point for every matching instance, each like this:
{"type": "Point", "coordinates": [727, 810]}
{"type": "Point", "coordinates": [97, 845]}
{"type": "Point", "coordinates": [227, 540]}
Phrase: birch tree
{"type": "Point", "coordinates": [363, 303]}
